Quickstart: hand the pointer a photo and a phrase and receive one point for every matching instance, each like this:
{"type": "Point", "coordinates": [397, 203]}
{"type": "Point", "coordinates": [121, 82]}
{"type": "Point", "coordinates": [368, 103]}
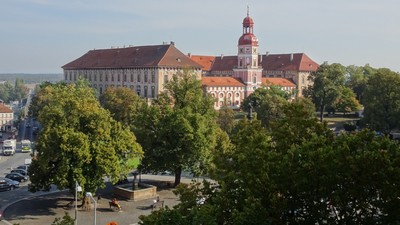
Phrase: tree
{"type": "Point", "coordinates": [177, 129]}
{"type": "Point", "coordinates": [123, 104]}
{"type": "Point", "coordinates": [79, 141]}
{"type": "Point", "coordinates": [20, 90]}
{"type": "Point", "coordinates": [382, 101]}
{"type": "Point", "coordinates": [357, 78]}
{"type": "Point", "coordinates": [347, 101]}
{"type": "Point", "coordinates": [226, 118]}
{"type": "Point", "coordinates": [267, 103]}
{"type": "Point", "coordinates": [6, 91]}
{"type": "Point", "coordinates": [325, 88]}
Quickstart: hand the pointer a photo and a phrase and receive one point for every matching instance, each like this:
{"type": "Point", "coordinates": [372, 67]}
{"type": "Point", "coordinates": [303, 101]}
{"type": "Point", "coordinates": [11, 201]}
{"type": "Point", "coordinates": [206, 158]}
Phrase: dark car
{"type": "Point", "coordinates": [24, 167]}
{"type": "Point", "coordinates": [4, 186]}
{"type": "Point", "coordinates": [14, 184]}
{"type": "Point", "coordinates": [17, 176]}
{"type": "Point", "coordinates": [21, 171]}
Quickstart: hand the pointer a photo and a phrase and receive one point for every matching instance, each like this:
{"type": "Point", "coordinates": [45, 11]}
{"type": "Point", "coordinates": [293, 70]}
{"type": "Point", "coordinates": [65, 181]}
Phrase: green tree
{"type": "Point", "coordinates": [357, 78]}
{"type": "Point", "coordinates": [123, 103]}
{"type": "Point", "coordinates": [347, 101]}
{"type": "Point", "coordinates": [382, 101]}
{"type": "Point", "coordinates": [325, 88]}
{"type": "Point", "coordinates": [20, 90]}
{"type": "Point", "coordinates": [6, 92]}
{"type": "Point", "coordinates": [177, 130]}
{"type": "Point", "coordinates": [79, 141]}
{"type": "Point", "coordinates": [267, 103]}
{"type": "Point", "coordinates": [226, 118]}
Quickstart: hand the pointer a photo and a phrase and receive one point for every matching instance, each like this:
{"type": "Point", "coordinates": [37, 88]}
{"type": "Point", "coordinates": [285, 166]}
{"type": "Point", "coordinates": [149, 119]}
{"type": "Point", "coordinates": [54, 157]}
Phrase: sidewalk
{"type": "Point", "coordinates": [44, 209]}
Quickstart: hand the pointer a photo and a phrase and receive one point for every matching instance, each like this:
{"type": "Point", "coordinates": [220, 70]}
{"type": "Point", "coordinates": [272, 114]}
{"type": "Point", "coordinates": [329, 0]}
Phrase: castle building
{"type": "Point", "coordinates": [143, 69]}
{"type": "Point", "coordinates": [230, 79]}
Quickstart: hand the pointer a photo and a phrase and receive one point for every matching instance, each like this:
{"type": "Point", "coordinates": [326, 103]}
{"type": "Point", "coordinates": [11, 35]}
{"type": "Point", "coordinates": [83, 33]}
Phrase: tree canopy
{"type": "Point", "coordinates": [79, 142]}
{"type": "Point", "coordinates": [382, 101]}
{"type": "Point", "coordinates": [325, 88]}
{"type": "Point", "coordinates": [177, 129]}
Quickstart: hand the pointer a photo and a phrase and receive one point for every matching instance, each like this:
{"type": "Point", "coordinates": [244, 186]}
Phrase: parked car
{"type": "Point", "coordinates": [21, 171]}
{"type": "Point", "coordinates": [14, 184]}
{"type": "Point", "coordinates": [23, 167]}
{"type": "Point", "coordinates": [17, 176]}
{"type": "Point", "coordinates": [4, 186]}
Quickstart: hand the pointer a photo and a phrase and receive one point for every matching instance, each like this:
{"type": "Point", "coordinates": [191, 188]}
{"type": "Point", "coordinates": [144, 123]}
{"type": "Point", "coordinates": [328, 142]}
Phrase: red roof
{"type": "Point", "coordinates": [248, 21]}
{"type": "Point", "coordinates": [221, 82]}
{"type": "Point", "coordinates": [299, 62]}
{"type": "Point", "coordinates": [248, 39]}
{"type": "Point", "coordinates": [288, 62]}
{"type": "Point", "coordinates": [139, 56]}
{"type": "Point", "coordinates": [282, 82]}
{"type": "Point", "coordinates": [205, 61]}
{"type": "Point", "coordinates": [4, 109]}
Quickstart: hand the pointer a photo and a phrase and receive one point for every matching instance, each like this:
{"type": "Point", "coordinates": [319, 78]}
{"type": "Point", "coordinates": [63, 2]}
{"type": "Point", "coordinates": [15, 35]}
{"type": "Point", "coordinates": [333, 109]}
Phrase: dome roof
{"type": "Point", "coordinates": [248, 21]}
{"type": "Point", "coordinates": [248, 39]}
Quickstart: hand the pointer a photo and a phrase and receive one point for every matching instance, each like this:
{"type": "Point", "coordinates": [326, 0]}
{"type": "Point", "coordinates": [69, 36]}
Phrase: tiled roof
{"type": "Point", "coordinates": [282, 82]}
{"type": "Point", "coordinates": [221, 82]}
{"type": "Point", "coordinates": [299, 62]}
{"type": "Point", "coordinates": [138, 56]}
{"type": "Point", "coordinates": [222, 63]}
{"type": "Point", "coordinates": [205, 61]}
{"type": "Point", "coordinates": [288, 62]}
{"type": "Point", "coordinates": [4, 109]}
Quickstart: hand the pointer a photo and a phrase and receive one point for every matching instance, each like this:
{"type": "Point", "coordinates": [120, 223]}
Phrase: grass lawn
{"type": "Point", "coordinates": [337, 120]}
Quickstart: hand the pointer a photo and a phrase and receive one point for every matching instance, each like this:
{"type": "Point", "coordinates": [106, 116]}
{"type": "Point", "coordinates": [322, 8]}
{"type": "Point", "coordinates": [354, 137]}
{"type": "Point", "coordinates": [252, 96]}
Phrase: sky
{"type": "Point", "coordinates": [40, 36]}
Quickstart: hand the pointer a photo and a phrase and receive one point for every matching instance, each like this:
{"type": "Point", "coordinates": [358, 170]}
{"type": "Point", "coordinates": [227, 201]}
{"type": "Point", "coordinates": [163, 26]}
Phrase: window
{"type": "Point", "coordinates": [145, 91]}
{"type": "Point", "coordinates": [138, 77]}
{"type": "Point", "coordinates": [112, 77]}
{"type": "Point", "coordinates": [165, 78]}
{"type": "Point", "coordinates": [119, 77]}
{"type": "Point", "coordinates": [101, 77]}
{"type": "Point", "coordinates": [131, 77]}
{"type": "Point", "coordinates": [153, 92]}
{"type": "Point", "coordinates": [145, 76]}
{"type": "Point", "coordinates": [124, 77]}
{"type": "Point", "coordinates": [241, 50]}
{"type": "Point", "coordinates": [254, 79]}
{"type": "Point", "coordinates": [153, 76]}
{"type": "Point", "coordinates": [101, 90]}
{"type": "Point", "coordinates": [138, 90]}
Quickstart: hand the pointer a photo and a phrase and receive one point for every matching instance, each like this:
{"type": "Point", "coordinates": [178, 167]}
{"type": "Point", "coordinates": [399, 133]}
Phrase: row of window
{"type": "Point", "coordinates": [6, 115]}
{"type": "Point", "coordinates": [138, 90]}
{"type": "Point", "coordinates": [228, 95]}
{"type": "Point", "coordinates": [73, 76]}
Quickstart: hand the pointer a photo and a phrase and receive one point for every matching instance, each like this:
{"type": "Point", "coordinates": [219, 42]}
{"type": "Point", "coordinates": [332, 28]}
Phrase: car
{"type": "Point", "coordinates": [17, 176]}
{"type": "Point", "coordinates": [14, 184]}
{"type": "Point", "coordinates": [28, 125]}
{"type": "Point", "coordinates": [21, 171]}
{"type": "Point", "coordinates": [24, 167]}
{"type": "Point", "coordinates": [4, 186]}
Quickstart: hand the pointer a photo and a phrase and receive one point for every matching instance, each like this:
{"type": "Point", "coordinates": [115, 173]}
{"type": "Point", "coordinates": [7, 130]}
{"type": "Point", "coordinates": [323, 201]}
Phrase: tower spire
{"type": "Point", "coordinates": [248, 10]}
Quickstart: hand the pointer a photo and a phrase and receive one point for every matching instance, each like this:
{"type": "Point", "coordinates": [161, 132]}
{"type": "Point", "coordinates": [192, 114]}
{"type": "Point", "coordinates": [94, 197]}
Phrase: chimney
{"type": "Point", "coordinates": [266, 53]}
{"type": "Point", "coordinates": [222, 56]}
{"type": "Point", "coordinates": [189, 55]}
{"type": "Point", "coordinates": [291, 57]}
{"type": "Point", "coordinates": [172, 43]}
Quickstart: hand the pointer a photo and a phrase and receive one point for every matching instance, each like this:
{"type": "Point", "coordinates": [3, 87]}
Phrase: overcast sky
{"type": "Point", "coordinates": [40, 36]}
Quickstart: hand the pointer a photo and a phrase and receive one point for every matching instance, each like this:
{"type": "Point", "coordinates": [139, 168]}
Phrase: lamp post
{"type": "Point", "coordinates": [77, 188]}
{"type": "Point", "coordinates": [88, 194]}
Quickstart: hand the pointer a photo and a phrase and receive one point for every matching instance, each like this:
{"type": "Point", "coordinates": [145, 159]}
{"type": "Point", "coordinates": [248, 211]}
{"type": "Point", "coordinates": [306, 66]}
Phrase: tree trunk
{"type": "Point", "coordinates": [178, 172]}
{"type": "Point", "coordinates": [321, 115]}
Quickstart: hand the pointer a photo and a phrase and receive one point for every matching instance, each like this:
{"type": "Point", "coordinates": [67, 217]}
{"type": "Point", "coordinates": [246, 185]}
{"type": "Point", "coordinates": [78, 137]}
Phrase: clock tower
{"type": "Point", "coordinates": [247, 68]}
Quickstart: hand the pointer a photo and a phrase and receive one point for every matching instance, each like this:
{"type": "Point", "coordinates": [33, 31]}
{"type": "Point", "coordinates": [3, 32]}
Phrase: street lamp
{"type": "Point", "coordinates": [88, 194]}
{"type": "Point", "coordinates": [77, 188]}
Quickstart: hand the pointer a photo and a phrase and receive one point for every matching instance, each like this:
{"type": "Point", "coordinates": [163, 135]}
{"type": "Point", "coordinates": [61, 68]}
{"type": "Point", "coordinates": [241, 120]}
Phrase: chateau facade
{"type": "Point", "coordinates": [145, 69]}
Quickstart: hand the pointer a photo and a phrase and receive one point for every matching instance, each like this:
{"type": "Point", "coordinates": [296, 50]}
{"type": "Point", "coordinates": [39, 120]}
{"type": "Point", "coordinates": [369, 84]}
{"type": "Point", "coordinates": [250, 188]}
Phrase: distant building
{"type": "Point", "coordinates": [249, 70]}
{"type": "Point", "coordinates": [6, 118]}
{"type": "Point", "coordinates": [145, 69]}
